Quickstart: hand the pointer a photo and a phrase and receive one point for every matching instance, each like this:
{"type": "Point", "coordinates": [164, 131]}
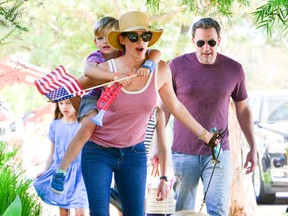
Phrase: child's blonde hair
{"type": "Point", "coordinates": [105, 25]}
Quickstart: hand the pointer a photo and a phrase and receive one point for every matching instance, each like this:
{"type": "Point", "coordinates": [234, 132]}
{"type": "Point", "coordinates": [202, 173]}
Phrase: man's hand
{"type": "Point", "coordinates": [251, 161]}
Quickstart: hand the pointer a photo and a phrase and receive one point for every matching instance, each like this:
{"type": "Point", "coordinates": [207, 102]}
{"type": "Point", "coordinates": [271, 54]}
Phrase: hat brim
{"type": "Point", "coordinates": [114, 42]}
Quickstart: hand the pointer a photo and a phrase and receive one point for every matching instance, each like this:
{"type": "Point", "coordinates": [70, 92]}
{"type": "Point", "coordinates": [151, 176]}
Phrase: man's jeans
{"type": "Point", "coordinates": [129, 166]}
{"type": "Point", "coordinates": [189, 168]}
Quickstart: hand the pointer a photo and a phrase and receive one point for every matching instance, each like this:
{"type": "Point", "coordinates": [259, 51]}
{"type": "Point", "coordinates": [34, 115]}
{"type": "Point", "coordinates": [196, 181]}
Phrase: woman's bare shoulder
{"type": "Point", "coordinates": [162, 65]}
{"type": "Point", "coordinates": [163, 73]}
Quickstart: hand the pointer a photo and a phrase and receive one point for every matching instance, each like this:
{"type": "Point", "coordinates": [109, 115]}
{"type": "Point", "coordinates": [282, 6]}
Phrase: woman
{"type": "Point", "coordinates": [118, 146]}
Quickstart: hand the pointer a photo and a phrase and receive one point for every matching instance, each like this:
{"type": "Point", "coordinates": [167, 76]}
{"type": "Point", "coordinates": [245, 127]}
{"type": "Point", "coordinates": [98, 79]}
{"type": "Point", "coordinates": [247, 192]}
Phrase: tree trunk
{"type": "Point", "coordinates": [242, 199]}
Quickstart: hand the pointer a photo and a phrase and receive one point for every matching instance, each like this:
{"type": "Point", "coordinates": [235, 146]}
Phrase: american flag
{"type": "Point", "coordinates": [59, 85]}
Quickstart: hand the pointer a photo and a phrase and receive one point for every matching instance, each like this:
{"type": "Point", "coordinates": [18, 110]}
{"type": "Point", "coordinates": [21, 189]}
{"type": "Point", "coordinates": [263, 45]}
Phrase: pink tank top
{"type": "Point", "coordinates": [126, 119]}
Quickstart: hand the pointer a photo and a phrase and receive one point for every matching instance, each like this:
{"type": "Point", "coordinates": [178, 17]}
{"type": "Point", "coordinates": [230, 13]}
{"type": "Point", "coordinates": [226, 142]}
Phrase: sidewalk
{"type": "Point", "coordinates": [54, 211]}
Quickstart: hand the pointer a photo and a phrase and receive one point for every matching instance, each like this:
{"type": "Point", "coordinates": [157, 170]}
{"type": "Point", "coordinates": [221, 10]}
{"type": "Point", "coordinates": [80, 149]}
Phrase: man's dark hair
{"type": "Point", "coordinates": [206, 23]}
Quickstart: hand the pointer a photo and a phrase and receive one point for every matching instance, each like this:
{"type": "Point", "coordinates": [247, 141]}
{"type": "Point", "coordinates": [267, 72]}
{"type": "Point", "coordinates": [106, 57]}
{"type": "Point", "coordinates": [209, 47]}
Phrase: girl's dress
{"type": "Point", "coordinates": [74, 194]}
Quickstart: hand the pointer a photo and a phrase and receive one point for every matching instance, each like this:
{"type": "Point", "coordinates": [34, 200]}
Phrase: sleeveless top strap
{"type": "Point", "coordinates": [112, 65]}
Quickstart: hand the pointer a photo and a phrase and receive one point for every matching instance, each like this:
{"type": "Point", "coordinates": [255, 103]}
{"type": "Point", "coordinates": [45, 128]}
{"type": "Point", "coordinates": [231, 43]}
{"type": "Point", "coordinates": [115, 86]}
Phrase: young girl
{"type": "Point", "coordinates": [62, 130]}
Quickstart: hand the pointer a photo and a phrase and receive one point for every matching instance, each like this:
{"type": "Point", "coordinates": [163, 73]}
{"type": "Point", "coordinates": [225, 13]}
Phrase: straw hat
{"type": "Point", "coordinates": [132, 21]}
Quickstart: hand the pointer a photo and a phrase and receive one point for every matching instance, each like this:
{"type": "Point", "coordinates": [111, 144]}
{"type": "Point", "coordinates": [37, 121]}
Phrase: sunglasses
{"type": "Point", "coordinates": [133, 36]}
{"type": "Point", "coordinates": [201, 43]}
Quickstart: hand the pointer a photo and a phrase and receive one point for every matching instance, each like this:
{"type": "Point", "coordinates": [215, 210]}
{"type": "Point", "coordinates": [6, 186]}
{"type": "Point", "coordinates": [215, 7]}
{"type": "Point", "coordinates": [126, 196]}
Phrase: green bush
{"type": "Point", "coordinates": [13, 182]}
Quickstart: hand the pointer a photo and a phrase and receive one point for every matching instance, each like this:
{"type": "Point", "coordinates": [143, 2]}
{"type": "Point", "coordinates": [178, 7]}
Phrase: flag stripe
{"type": "Point", "coordinates": [59, 85]}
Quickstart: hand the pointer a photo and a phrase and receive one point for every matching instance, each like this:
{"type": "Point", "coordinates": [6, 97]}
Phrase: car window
{"type": "Point", "coordinates": [275, 109]}
{"type": "Point", "coordinates": [280, 113]}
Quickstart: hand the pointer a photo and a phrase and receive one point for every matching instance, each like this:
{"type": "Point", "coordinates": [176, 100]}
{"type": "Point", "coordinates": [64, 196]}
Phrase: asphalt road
{"type": "Point", "coordinates": [276, 209]}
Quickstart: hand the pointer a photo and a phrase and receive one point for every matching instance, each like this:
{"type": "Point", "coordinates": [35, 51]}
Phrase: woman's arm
{"type": "Point", "coordinates": [162, 153]}
{"type": "Point", "coordinates": [161, 140]}
{"type": "Point", "coordinates": [177, 109]}
{"type": "Point", "coordinates": [76, 144]}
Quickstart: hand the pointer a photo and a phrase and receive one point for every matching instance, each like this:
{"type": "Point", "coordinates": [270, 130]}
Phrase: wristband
{"type": "Point", "coordinates": [164, 177]}
{"type": "Point", "coordinates": [203, 134]}
{"type": "Point", "coordinates": [149, 64]}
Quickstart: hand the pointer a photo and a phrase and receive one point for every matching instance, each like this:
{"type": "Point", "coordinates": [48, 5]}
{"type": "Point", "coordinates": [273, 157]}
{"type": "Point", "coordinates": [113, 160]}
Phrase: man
{"type": "Point", "coordinates": [204, 81]}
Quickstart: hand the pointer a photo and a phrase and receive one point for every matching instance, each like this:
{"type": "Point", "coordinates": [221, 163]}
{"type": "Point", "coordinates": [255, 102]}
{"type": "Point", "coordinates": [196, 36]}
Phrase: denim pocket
{"type": "Point", "coordinates": [139, 148]}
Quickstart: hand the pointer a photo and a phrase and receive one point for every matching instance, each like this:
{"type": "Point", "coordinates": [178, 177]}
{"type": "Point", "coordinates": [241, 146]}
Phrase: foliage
{"type": "Point", "coordinates": [11, 18]}
{"type": "Point", "coordinates": [273, 14]}
{"type": "Point", "coordinates": [65, 37]}
{"type": "Point", "coordinates": [13, 182]}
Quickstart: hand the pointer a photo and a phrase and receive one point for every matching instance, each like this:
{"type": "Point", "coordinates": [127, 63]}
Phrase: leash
{"type": "Point", "coordinates": [214, 162]}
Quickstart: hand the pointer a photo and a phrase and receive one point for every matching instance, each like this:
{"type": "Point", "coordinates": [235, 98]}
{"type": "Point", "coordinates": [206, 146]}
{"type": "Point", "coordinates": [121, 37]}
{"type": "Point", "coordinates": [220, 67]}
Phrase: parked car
{"type": "Point", "coordinates": [270, 114]}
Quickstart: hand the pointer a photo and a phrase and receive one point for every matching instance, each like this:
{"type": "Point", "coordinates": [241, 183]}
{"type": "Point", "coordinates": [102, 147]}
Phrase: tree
{"type": "Point", "coordinates": [273, 14]}
{"type": "Point", "coordinates": [11, 18]}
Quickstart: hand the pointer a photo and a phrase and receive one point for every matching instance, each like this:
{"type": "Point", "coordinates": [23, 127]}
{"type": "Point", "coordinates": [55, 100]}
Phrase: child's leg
{"type": "Point", "coordinates": [80, 212]}
{"type": "Point", "coordinates": [88, 104]}
{"type": "Point", "coordinates": [85, 83]}
{"type": "Point", "coordinates": [64, 212]}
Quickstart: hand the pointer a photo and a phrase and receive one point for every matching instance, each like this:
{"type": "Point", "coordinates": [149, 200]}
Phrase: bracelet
{"type": "Point", "coordinates": [164, 177]}
{"type": "Point", "coordinates": [149, 64]}
{"type": "Point", "coordinates": [115, 76]}
{"type": "Point", "coordinates": [203, 134]}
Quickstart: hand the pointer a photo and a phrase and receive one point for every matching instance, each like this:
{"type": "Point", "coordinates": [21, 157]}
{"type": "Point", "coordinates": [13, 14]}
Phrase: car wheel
{"type": "Point", "coordinates": [261, 196]}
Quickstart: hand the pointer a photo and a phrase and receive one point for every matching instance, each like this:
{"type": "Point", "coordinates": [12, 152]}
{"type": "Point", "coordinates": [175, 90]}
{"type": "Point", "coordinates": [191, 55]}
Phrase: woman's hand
{"type": "Point", "coordinates": [162, 192]}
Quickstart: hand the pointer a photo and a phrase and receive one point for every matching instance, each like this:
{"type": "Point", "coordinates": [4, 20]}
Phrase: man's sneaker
{"type": "Point", "coordinates": [57, 182]}
{"type": "Point", "coordinates": [115, 199]}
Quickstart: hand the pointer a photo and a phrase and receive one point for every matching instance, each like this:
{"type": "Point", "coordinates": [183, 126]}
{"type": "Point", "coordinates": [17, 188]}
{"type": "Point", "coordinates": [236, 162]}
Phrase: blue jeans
{"type": "Point", "coordinates": [188, 169]}
{"type": "Point", "coordinates": [129, 166]}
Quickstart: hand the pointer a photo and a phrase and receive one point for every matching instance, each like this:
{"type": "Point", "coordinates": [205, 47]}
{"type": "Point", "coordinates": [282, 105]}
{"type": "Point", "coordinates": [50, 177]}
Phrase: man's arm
{"type": "Point", "coordinates": [245, 119]}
